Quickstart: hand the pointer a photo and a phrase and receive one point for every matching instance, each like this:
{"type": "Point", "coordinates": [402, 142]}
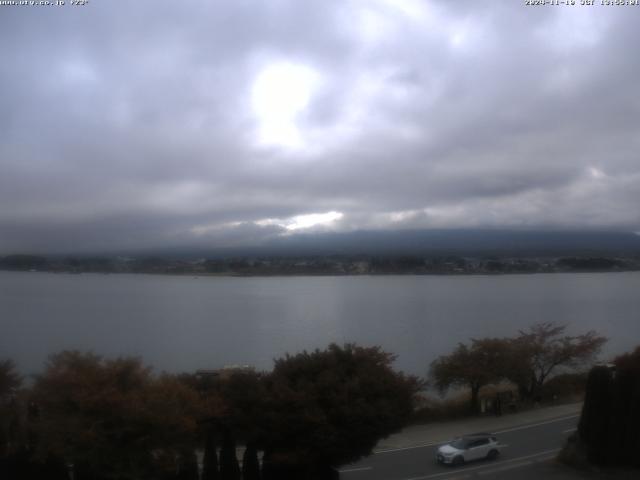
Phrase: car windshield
{"type": "Point", "coordinates": [460, 443]}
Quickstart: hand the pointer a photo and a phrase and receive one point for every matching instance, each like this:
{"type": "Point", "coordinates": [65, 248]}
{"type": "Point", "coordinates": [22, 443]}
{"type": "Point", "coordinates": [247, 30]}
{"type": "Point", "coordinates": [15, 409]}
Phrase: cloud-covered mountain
{"type": "Point", "coordinates": [424, 243]}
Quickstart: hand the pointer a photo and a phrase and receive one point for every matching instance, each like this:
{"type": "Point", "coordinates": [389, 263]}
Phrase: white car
{"type": "Point", "coordinates": [469, 447]}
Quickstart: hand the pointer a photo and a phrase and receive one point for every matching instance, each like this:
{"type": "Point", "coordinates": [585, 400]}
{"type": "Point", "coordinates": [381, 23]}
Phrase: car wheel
{"type": "Point", "coordinates": [459, 460]}
{"type": "Point", "coordinates": [492, 455]}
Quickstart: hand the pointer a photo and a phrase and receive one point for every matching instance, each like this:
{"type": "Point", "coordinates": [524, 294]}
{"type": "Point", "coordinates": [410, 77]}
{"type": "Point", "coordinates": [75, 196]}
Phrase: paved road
{"type": "Point", "coordinates": [527, 448]}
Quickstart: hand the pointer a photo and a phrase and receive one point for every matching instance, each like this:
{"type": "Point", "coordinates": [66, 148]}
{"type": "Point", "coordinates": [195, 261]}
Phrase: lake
{"type": "Point", "coordinates": [182, 323]}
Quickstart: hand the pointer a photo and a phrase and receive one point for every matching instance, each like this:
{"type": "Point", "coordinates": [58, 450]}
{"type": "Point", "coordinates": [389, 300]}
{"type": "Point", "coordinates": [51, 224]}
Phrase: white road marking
{"type": "Point", "coordinates": [470, 469]}
{"type": "Point", "coordinates": [569, 430]}
{"type": "Point", "coordinates": [524, 427]}
{"type": "Point", "coordinates": [359, 469]}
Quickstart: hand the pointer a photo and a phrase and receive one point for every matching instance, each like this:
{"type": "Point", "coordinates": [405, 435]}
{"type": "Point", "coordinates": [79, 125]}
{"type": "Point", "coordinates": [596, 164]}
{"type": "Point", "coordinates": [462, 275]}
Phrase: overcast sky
{"type": "Point", "coordinates": [156, 123]}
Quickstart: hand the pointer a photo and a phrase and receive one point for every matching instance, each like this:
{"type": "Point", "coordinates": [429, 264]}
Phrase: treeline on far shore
{"type": "Point", "coordinates": [89, 417]}
{"type": "Point", "coordinates": [320, 265]}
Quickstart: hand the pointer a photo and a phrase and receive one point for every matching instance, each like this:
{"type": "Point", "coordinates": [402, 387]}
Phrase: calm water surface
{"type": "Point", "coordinates": [183, 323]}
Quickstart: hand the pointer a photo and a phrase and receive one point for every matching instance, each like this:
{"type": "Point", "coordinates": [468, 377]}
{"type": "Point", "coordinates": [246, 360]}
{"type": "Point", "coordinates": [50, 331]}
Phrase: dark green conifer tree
{"type": "Point", "coordinates": [594, 423]}
{"type": "Point", "coordinates": [188, 465]}
{"type": "Point", "coordinates": [625, 415]}
{"type": "Point", "coordinates": [210, 460]}
{"type": "Point", "coordinates": [250, 463]}
{"type": "Point", "coordinates": [229, 468]}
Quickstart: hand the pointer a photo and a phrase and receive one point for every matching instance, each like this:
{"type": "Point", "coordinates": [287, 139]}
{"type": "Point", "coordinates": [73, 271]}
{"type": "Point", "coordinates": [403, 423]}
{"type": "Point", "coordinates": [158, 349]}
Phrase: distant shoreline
{"type": "Point", "coordinates": [334, 265]}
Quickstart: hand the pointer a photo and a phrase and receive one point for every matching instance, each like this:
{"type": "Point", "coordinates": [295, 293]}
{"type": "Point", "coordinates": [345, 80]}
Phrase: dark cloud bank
{"type": "Point", "coordinates": [134, 125]}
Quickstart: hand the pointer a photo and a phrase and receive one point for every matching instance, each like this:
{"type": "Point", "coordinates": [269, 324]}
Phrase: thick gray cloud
{"type": "Point", "coordinates": [149, 124]}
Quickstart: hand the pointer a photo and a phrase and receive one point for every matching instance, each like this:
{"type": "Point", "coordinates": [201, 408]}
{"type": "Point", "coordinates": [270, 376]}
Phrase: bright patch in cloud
{"type": "Point", "coordinates": [411, 8]}
{"type": "Point", "coordinates": [77, 72]}
{"type": "Point", "coordinates": [280, 93]}
{"type": "Point", "coordinates": [596, 173]}
{"type": "Point", "coordinates": [313, 220]}
{"type": "Point", "coordinates": [300, 222]}
{"type": "Point", "coordinates": [213, 228]}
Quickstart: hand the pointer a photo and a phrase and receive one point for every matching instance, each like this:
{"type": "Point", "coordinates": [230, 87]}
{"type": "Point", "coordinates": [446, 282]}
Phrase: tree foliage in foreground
{"type": "Point", "coordinates": [544, 349]}
{"type": "Point", "coordinates": [528, 360]}
{"type": "Point", "coordinates": [330, 407]}
{"type": "Point", "coordinates": [473, 366]}
{"type": "Point", "coordinates": [10, 381]}
{"type": "Point", "coordinates": [112, 418]}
